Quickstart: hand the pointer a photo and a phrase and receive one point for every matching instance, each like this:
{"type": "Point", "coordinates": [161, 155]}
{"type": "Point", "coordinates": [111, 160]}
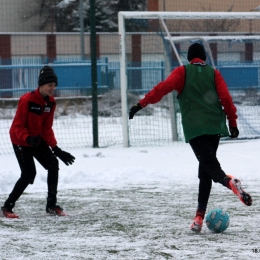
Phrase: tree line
{"type": "Point", "coordinates": [64, 15]}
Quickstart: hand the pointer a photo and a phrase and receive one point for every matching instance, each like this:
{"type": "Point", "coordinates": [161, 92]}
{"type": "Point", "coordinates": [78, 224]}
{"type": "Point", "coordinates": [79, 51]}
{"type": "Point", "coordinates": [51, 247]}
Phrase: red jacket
{"type": "Point", "coordinates": [34, 116]}
{"type": "Point", "coordinates": [176, 81]}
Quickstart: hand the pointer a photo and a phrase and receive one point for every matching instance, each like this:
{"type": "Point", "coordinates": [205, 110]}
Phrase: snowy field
{"type": "Point", "coordinates": [133, 203]}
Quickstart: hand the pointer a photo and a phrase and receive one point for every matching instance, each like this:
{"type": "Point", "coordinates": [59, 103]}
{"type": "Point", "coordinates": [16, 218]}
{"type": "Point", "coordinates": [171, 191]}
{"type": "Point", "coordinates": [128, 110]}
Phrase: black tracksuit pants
{"type": "Point", "coordinates": [25, 156]}
{"type": "Point", "coordinates": [205, 148]}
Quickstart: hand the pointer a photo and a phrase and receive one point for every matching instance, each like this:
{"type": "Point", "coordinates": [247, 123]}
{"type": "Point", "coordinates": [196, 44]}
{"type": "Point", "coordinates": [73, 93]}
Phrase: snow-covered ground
{"type": "Point", "coordinates": [133, 203]}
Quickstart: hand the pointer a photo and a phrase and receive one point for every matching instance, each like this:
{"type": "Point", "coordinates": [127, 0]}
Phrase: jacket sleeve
{"type": "Point", "coordinates": [48, 134]}
{"type": "Point", "coordinates": [226, 99]}
{"type": "Point", "coordinates": [175, 81]}
{"type": "Point", "coordinates": [20, 120]}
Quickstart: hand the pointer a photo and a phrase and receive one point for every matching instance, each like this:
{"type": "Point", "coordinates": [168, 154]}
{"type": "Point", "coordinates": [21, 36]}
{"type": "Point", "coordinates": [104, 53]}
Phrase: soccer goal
{"type": "Point", "coordinates": [152, 44]}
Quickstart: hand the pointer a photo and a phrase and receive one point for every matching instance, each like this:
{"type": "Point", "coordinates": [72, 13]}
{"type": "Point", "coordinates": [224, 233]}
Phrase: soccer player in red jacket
{"type": "Point", "coordinates": [202, 92]}
{"type": "Point", "coordinates": [32, 137]}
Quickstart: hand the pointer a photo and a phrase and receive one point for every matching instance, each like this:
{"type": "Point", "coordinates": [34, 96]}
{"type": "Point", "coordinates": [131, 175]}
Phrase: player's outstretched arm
{"type": "Point", "coordinates": [134, 109]}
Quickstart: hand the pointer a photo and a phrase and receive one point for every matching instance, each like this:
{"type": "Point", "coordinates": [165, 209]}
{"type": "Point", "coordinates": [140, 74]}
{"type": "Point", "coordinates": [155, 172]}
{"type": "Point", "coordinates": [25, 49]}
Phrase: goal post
{"type": "Point", "coordinates": [231, 40]}
{"type": "Point", "coordinates": [123, 78]}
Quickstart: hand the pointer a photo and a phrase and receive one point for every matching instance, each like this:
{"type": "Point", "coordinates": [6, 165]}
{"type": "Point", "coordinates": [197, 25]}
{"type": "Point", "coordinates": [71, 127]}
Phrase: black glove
{"type": "Point", "coordinates": [33, 141]}
{"type": "Point", "coordinates": [134, 109]}
{"type": "Point", "coordinates": [233, 132]}
{"type": "Point", "coordinates": [67, 158]}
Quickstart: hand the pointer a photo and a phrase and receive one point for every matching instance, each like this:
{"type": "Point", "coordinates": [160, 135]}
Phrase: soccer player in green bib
{"type": "Point", "coordinates": [205, 105]}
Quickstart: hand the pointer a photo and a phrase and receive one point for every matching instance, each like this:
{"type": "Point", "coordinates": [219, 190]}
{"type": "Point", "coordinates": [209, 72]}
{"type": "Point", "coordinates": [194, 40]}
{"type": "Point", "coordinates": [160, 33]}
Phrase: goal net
{"type": "Point", "coordinates": [152, 44]}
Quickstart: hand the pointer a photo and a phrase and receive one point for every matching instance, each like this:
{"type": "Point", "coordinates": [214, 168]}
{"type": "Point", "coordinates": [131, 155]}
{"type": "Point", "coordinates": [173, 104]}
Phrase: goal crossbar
{"type": "Point", "coordinates": [190, 15]}
{"type": "Point", "coordinates": [213, 38]}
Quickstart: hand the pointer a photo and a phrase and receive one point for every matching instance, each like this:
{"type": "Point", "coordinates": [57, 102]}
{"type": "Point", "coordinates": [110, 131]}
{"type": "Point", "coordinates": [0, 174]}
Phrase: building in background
{"type": "Point", "coordinates": [24, 40]}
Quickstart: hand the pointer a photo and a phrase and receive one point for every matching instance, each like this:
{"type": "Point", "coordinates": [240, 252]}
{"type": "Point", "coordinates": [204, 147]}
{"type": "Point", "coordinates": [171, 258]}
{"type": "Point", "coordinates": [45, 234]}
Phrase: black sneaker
{"type": "Point", "coordinates": [55, 210]}
{"type": "Point", "coordinates": [8, 213]}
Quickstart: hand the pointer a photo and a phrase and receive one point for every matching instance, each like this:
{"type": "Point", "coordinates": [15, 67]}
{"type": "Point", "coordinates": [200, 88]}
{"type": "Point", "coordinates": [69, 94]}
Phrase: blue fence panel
{"type": "Point", "coordinates": [73, 78]}
{"type": "Point", "coordinates": [22, 77]}
{"type": "Point", "coordinates": [240, 77]}
{"type": "Point", "coordinates": [76, 75]}
{"type": "Point", "coordinates": [114, 75]}
{"type": "Point", "coordinates": [150, 74]}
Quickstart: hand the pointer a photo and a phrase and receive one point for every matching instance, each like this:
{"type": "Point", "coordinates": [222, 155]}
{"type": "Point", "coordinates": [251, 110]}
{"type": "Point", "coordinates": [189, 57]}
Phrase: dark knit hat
{"type": "Point", "coordinates": [196, 50]}
{"type": "Point", "coordinates": [47, 75]}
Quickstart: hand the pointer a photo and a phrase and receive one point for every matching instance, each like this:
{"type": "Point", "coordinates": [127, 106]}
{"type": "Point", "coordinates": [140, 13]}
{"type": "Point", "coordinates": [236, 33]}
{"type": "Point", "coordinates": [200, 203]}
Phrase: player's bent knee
{"type": "Point", "coordinates": [27, 179]}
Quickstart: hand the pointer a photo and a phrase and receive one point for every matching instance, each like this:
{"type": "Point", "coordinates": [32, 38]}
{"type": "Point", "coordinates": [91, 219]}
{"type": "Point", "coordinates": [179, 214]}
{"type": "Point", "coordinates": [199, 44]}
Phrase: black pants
{"type": "Point", "coordinates": [205, 148]}
{"type": "Point", "coordinates": [25, 156]}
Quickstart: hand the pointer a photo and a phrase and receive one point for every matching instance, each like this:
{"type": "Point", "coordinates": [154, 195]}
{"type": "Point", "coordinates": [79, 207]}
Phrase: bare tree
{"type": "Point", "coordinates": [47, 12]}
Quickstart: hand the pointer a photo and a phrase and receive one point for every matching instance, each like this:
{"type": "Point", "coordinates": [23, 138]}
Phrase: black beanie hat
{"type": "Point", "coordinates": [196, 50]}
{"type": "Point", "coordinates": [47, 75]}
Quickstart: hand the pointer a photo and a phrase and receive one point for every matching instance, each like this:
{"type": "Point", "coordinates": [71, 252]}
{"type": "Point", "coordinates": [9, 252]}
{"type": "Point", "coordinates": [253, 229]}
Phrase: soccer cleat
{"type": "Point", "coordinates": [196, 226]}
{"type": "Point", "coordinates": [8, 213]}
{"type": "Point", "coordinates": [56, 210]}
{"type": "Point", "coordinates": [235, 186]}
